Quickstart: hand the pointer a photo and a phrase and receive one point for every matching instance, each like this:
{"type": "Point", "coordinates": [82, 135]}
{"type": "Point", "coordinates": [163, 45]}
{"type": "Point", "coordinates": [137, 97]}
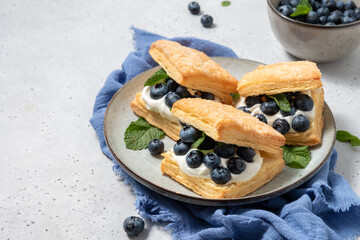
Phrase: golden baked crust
{"type": "Point", "coordinates": [279, 78]}
{"type": "Point", "coordinates": [224, 123]}
{"type": "Point", "coordinates": [170, 128]}
{"type": "Point", "coordinates": [272, 165]}
{"type": "Point", "coordinates": [192, 68]}
{"type": "Point", "coordinates": [312, 136]}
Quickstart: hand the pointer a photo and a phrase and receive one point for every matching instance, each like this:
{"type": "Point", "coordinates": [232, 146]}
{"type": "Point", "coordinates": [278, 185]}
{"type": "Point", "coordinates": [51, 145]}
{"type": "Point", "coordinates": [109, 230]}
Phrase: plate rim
{"type": "Point", "coordinates": [209, 201]}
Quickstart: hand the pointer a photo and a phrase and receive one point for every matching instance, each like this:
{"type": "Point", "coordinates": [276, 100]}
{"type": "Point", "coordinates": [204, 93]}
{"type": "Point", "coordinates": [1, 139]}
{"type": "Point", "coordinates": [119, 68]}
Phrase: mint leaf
{"type": "Point", "coordinates": [198, 142]}
{"type": "Point", "coordinates": [140, 133]}
{"type": "Point", "coordinates": [157, 77]}
{"type": "Point", "coordinates": [296, 156]}
{"type": "Point", "coordinates": [303, 8]}
{"type": "Point", "coordinates": [344, 136]}
{"type": "Point", "coordinates": [235, 96]}
{"type": "Point", "coordinates": [225, 3]}
{"type": "Point", "coordinates": [281, 101]}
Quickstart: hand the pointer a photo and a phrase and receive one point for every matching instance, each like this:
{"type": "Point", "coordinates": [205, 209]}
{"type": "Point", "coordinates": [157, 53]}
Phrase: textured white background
{"type": "Point", "coordinates": [54, 57]}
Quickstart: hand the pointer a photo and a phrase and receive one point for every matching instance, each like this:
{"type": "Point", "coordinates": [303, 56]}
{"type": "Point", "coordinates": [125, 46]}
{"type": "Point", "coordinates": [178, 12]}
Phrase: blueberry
{"type": "Point", "coordinates": [335, 17]}
{"type": "Point", "coordinates": [220, 175]}
{"type": "Point", "coordinates": [323, 11]}
{"type": "Point", "coordinates": [340, 5]}
{"type": "Point", "coordinates": [285, 10]}
{"type": "Point", "coordinates": [294, 3]}
{"type": "Point", "coordinates": [133, 225]}
{"type": "Point", "coordinates": [330, 4]}
{"type": "Point", "coordinates": [156, 146]}
{"type": "Point", "coordinates": [322, 20]}
{"type": "Point", "coordinates": [246, 153]}
{"type": "Point", "coordinates": [303, 102]}
{"type": "Point", "coordinates": [206, 20]}
{"type": "Point", "coordinates": [194, 159]}
{"type": "Point", "coordinates": [183, 92]}
{"type": "Point", "coordinates": [346, 20]}
{"type": "Point", "coordinates": [252, 100]}
{"type": "Point", "coordinates": [312, 17]}
{"type": "Point", "coordinates": [212, 160]}
{"type": "Point", "coordinates": [207, 144]}
{"type": "Point", "coordinates": [261, 117]}
{"type": "Point", "coordinates": [300, 123]}
{"type": "Point", "coordinates": [357, 13]}
{"type": "Point", "coordinates": [284, 2]}
{"type": "Point", "coordinates": [181, 147]}
{"type": "Point", "coordinates": [207, 95]}
{"type": "Point", "coordinates": [291, 113]}
{"type": "Point", "coordinates": [236, 165]}
{"type": "Point", "coordinates": [281, 125]}
{"type": "Point", "coordinates": [172, 84]}
{"type": "Point", "coordinates": [269, 108]}
{"type": "Point", "coordinates": [189, 134]}
{"type": "Point", "coordinates": [350, 5]}
{"type": "Point", "coordinates": [316, 6]}
{"type": "Point", "coordinates": [171, 98]}
{"type": "Point", "coordinates": [194, 7]}
{"type": "Point", "coordinates": [224, 150]}
{"type": "Point", "coordinates": [349, 13]}
{"type": "Point", "coordinates": [244, 109]}
{"type": "Point", "coordinates": [158, 91]}
{"type": "Point", "coordinates": [330, 24]}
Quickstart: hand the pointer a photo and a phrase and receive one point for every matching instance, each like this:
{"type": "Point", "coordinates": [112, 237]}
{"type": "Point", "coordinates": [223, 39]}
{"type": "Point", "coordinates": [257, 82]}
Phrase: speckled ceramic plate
{"type": "Point", "coordinates": [146, 168]}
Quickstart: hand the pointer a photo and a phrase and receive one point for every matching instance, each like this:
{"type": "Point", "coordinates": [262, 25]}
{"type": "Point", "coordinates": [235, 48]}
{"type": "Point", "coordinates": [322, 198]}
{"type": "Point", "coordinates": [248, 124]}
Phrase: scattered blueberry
{"type": "Point", "coordinates": [246, 153]}
{"type": "Point", "coordinates": [158, 91]}
{"type": "Point", "coordinates": [206, 20]}
{"type": "Point", "coordinates": [181, 147]}
{"type": "Point", "coordinates": [350, 5]}
{"type": "Point", "coordinates": [133, 225]}
{"type": "Point", "coordinates": [312, 17]}
{"type": "Point", "coordinates": [322, 20]}
{"type": "Point", "coordinates": [244, 109]}
{"type": "Point", "coordinates": [183, 92]}
{"type": "Point", "coordinates": [194, 7]}
{"type": "Point", "coordinates": [224, 150]}
{"type": "Point", "coordinates": [207, 95]}
{"type": "Point", "coordinates": [207, 144]}
{"type": "Point", "coordinates": [172, 84]}
{"type": "Point", "coordinates": [194, 158]}
{"type": "Point", "coordinates": [171, 98]}
{"type": "Point", "coordinates": [236, 165]}
{"type": "Point", "coordinates": [323, 11]}
{"type": "Point", "coordinates": [291, 113]}
{"type": "Point", "coordinates": [211, 160]}
{"type": "Point", "coordinates": [252, 100]}
{"type": "Point", "coordinates": [189, 134]}
{"type": "Point", "coordinates": [220, 175]}
{"type": "Point", "coordinates": [269, 108]}
{"type": "Point", "coordinates": [345, 20]}
{"type": "Point", "coordinates": [303, 102]}
{"type": "Point", "coordinates": [156, 146]}
{"type": "Point", "coordinates": [300, 123]}
{"type": "Point", "coordinates": [281, 125]}
{"type": "Point", "coordinates": [261, 117]}
{"type": "Point", "coordinates": [285, 10]}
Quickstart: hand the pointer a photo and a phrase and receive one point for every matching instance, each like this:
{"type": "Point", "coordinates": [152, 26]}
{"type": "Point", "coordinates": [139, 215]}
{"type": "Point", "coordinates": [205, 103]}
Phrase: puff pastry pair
{"type": "Point", "coordinates": [224, 123]}
{"type": "Point", "coordinates": [189, 68]}
{"type": "Point", "coordinates": [289, 77]}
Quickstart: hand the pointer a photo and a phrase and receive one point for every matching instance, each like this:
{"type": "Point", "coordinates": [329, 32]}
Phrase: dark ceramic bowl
{"type": "Point", "coordinates": [316, 43]}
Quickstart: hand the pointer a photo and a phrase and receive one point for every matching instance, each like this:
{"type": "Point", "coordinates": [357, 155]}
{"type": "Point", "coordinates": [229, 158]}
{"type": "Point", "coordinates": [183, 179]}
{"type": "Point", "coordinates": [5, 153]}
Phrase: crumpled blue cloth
{"type": "Point", "coordinates": [325, 207]}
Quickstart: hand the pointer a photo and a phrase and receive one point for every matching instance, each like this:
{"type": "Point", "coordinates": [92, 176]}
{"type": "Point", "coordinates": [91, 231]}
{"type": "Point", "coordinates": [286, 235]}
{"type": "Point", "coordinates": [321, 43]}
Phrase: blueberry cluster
{"type": "Point", "coordinates": [324, 12]}
{"type": "Point", "coordinates": [297, 100]}
{"type": "Point", "coordinates": [194, 158]}
{"type": "Point", "coordinates": [206, 20]}
{"type": "Point", "coordinates": [174, 92]}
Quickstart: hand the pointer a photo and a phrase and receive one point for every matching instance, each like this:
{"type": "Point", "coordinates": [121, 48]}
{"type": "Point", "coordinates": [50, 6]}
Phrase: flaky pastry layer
{"type": "Point", "coordinates": [272, 165]}
{"type": "Point", "coordinates": [279, 78]}
{"type": "Point", "coordinates": [224, 123]}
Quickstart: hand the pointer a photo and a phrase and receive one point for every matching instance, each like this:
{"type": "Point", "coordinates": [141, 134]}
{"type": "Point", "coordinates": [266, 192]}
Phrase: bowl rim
{"type": "Point", "coordinates": [309, 24]}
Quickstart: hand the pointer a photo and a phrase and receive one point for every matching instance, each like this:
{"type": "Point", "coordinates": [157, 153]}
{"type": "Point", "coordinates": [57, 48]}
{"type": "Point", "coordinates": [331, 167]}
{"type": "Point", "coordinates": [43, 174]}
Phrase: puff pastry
{"type": "Point", "coordinates": [224, 123]}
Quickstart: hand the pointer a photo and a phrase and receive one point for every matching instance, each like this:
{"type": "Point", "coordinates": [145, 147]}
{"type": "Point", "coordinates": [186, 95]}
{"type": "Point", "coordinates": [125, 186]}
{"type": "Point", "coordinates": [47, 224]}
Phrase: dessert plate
{"type": "Point", "coordinates": [145, 168]}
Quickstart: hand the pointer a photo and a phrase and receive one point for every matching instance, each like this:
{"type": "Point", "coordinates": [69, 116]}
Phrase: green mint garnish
{"type": "Point", "coordinates": [281, 101]}
{"type": "Point", "coordinates": [303, 8]}
{"type": "Point", "coordinates": [158, 77]}
{"type": "Point", "coordinates": [344, 136]}
{"type": "Point", "coordinates": [140, 133]}
{"type": "Point", "coordinates": [235, 96]}
{"type": "Point", "coordinates": [198, 142]}
{"type": "Point", "coordinates": [225, 3]}
{"type": "Point", "coordinates": [296, 156]}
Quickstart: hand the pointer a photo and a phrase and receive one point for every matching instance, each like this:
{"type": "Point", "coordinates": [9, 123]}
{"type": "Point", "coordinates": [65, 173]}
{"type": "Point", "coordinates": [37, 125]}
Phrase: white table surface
{"type": "Point", "coordinates": [54, 57]}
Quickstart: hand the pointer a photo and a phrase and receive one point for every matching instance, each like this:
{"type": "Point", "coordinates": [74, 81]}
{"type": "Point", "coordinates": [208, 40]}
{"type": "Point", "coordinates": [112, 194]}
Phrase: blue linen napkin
{"type": "Point", "coordinates": [325, 207]}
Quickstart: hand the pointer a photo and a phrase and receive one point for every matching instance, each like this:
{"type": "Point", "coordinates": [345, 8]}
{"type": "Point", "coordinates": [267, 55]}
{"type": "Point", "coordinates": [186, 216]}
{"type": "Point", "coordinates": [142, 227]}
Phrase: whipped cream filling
{"type": "Point", "coordinates": [271, 119]}
{"type": "Point", "coordinates": [202, 171]}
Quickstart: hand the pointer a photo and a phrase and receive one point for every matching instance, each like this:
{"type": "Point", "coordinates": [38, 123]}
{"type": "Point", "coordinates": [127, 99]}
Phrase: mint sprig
{"type": "Point", "coordinates": [303, 8]}
{"type": "Point", "coordinates": [281, 101]}
{"type": "Point", "coordinates": [346, 137]}
{"type": "Point", "coordinates": [296, 156]}
{"type": "Point", "coordinates": [198, 142]}
{"type": "Point", "coordinates": [235, 96]}
{"type": "Point", "coordinates": [158, 77]}
{"type": "Point", "coordinates": [225, 3]}
{"type": "Point", "coordinates": [140, 133]}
